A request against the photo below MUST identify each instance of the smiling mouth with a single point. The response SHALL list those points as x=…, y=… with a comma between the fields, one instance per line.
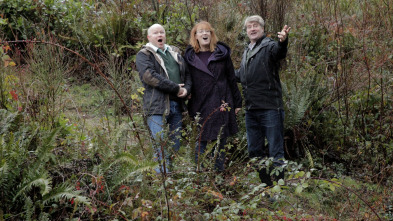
x=205, y=39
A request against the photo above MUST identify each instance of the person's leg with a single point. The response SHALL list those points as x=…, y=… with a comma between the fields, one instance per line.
x=174, y=120
x=255, y=135
x=275, y=134
x=156, y=126
x=275, y=137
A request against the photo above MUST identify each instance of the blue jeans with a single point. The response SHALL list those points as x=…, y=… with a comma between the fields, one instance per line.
x=156, y=125
x=220, y=160
x=269, y=124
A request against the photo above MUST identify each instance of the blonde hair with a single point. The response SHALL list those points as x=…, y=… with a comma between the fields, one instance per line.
x=206, y=26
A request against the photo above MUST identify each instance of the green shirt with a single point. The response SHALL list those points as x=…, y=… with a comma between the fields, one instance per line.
x=172, y=67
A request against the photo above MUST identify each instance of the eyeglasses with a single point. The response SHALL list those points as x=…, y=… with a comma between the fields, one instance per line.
x=201, y=31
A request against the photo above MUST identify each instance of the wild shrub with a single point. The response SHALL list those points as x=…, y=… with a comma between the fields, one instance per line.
x=44, y=82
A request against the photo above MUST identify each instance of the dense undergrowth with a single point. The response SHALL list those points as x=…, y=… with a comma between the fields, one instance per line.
x=73, y=140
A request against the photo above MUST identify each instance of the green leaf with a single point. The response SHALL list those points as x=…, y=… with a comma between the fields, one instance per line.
x=245, y=197
x=299, y=189
x=300, y=174
x=332, y=187
x=276, y=189
x=3, y=21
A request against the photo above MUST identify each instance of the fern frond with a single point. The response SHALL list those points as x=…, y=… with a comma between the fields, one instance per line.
x=301, y=94
x=132, y=173
x=124, y=158
x=27, y=135
x=47, y=143
x=9, y=121
x=29, y=208
x=44, y=217
x=4, y=169
x=64, y=192
x=41, y=180
x=120, y=136
x=309, y=157
x=300, y=103
x=146, y=165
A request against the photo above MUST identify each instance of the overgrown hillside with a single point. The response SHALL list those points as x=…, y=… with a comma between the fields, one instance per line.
x=74, y=144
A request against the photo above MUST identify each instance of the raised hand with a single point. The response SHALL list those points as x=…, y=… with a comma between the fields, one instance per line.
x=283, y=34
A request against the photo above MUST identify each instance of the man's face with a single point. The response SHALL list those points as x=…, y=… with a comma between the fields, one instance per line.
x=254, y=31
x=156, y=36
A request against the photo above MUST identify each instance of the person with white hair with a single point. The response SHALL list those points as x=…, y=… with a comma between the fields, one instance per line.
x=167, y=83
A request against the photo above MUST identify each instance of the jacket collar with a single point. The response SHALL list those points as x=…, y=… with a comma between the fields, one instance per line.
x=155, y=49
x=262, y=42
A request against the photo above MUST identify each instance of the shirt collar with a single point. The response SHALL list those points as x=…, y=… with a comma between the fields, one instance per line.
x=251, y=46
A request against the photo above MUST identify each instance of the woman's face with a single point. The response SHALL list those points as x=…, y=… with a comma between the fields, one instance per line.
x=203, y=35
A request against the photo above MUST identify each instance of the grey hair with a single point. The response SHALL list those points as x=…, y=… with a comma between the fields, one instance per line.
x=154, y=26
x=254, y=18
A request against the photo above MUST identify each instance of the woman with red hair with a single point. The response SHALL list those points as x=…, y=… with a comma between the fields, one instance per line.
x=214, y=83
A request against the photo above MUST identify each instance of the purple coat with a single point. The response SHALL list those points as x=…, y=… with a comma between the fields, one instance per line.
x=210, y=86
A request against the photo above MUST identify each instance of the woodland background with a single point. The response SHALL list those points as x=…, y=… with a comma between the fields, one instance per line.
x=74, y=145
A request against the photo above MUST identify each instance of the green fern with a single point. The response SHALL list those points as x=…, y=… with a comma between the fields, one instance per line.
x=125, y=167
x=29, y=209
x=130, y=175
x=4, y=167
x=124, y=157
x=44, y=217
x=9, y=121
x=298, y=101
x=64, y=192
x=40, y=180
x=300, y=94
x=44, y=150
x=120, y=138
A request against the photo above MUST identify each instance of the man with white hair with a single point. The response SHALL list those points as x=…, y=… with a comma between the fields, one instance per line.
x=167, y=83
x=259, y=76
